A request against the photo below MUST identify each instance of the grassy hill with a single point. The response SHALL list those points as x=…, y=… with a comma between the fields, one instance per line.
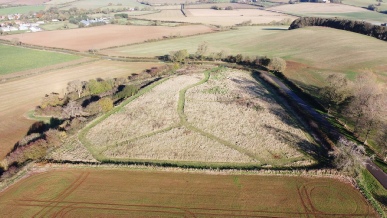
x=313, y=52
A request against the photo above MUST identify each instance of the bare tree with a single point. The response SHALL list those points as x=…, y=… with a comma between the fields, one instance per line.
x=336, y=91
x=349, y=157
x=75, y=86
x=72, y=110
x=365, y=87
x=202, y=50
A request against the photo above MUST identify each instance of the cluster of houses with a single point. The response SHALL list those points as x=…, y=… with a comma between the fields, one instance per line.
x=96, y=20
x=18, y=25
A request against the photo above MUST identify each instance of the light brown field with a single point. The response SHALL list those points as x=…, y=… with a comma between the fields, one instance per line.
x=105, y=36
x=136, y=193
x=232, y=106
x=154, y=111
x=316, y=8
x=219, y=17
x=22, y=95
x=23, y=2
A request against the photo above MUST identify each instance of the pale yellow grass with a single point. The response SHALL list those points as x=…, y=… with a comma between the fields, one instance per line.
x=19, y=96
x=219, y=17
x=71, y=150
x=178, y=144
x=263, y=128
x=316, y=8
x=156, y=110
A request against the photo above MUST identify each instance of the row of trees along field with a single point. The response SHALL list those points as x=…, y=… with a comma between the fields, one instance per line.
x=362, y=104
x=83, y=101
x=365, y=28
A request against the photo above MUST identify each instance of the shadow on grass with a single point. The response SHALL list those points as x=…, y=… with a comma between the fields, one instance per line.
x=300, y=144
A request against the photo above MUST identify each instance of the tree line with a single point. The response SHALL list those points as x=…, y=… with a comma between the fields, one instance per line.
x=362, y=103
x=365, y=28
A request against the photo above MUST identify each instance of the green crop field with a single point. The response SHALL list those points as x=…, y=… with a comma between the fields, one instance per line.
x=14, y=59
x=21, y=9
x=313, y=51
x=123, y=193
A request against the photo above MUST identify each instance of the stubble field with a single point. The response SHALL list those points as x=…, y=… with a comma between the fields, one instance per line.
x=81, y=192
x=105, y=36
x=22, y=95
x=218, y=17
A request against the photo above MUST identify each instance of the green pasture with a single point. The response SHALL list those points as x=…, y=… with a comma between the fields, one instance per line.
x=14, y=59
x=21, y=9
x=322, y=50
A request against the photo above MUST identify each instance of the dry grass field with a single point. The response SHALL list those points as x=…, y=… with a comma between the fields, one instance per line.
x=331, y=10
x=218, y=17
x=135, y=193
x=178, y=144
x=99, y=37
x=22, y=95
x=229, y=119
x=154, y=111
x=234, y=107
x=71, y=150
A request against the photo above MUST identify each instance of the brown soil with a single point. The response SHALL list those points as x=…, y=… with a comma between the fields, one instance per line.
x=106, y=36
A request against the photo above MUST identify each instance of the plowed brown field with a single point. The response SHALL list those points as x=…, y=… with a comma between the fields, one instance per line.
x=106, y=36
x=129, y=193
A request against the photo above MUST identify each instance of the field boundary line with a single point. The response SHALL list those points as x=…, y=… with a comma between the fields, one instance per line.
x=144, y=136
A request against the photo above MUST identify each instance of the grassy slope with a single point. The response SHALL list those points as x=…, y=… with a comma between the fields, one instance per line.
x=319, y=50
x=14, y=59
x=365, y=3
x=21, y=9
x=332, y=10
x=123, y=193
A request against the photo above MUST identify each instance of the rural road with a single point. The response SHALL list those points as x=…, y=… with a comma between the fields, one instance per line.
x=370, y=166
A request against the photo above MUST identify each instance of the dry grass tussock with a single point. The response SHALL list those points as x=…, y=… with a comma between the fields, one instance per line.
x=233, y=106
x=71, y=150
x=178, y=144
x=155, y=110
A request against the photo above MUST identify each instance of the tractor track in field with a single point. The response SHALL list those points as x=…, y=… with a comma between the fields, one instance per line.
x=64, y=194
x=68, y=206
